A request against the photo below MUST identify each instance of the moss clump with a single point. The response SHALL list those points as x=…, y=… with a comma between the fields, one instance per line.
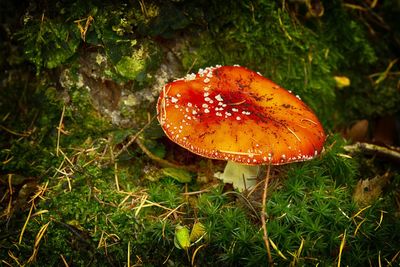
x=48, y=43
x=137, y=65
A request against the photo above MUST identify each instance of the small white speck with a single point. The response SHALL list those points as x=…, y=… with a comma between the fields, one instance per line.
x=238, y=118
x=228, y=114
x=265, y=158
x=206, y=80
x=235, y=110
x=283, y=156
x=174, y=100
x=236, y=65
x=207, y=99
x=298, y=97
x=178, y=95
x=194, y=112
x=219, y=114
x=219, y=98
x=204, y=106
x=176, y=106
x=190, y=77
x=206, y=110
x=206, y=94
x=189, y=104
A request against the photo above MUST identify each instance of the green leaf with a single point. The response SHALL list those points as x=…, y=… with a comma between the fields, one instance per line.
x=180, y=175
x=181, y=239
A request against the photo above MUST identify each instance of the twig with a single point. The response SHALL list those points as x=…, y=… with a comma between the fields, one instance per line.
x=161, y=161
x=133, y=138
x=391, y=153
x=264, y=215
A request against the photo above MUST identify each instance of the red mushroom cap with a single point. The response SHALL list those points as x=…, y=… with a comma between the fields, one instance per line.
x=232, y=113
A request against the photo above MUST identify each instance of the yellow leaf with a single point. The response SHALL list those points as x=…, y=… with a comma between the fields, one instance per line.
x=198, y=232
x=342, y=81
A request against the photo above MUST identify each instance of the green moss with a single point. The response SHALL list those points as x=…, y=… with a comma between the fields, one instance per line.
x=137, y=65
x=49, y=43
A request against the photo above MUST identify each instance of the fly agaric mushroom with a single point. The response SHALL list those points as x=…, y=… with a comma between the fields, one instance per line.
x=232, y=113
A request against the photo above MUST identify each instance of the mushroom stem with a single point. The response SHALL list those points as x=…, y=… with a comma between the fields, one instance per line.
x=241, y=176
x=264, y=215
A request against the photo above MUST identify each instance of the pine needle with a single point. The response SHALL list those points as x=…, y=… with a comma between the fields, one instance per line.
x=129, y=254
x=275, y=247
x=341, y=248
x=64, y=261
x=26, y=223
x=195, y=253
x=38, y=238
x=59, y=130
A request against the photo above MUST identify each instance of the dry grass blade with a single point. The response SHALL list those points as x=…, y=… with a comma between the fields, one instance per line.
x=38, y=238
x=129, y=254
x=26, y=223
x=134, y=137
x=275, y=247
x=12, y=256
x=195, y=253
x=296, y=255
x=116, y=176
x=172, y=211
x=264, y=215
x=341, y=248
x=64, y=261
x=358, y=227
x=60, y=124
